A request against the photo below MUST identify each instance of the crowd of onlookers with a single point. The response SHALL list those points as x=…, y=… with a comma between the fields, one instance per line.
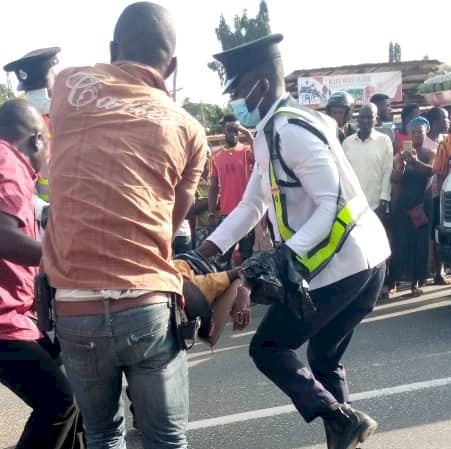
x=401, y=170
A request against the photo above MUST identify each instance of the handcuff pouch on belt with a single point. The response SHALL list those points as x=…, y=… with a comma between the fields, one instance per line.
x=44, y=297
x=185, y=329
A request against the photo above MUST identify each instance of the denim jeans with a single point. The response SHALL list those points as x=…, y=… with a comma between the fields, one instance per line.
x=140, y=343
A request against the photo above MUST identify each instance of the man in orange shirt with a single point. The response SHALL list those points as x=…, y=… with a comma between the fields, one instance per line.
x=125, y=164
x=230, y=169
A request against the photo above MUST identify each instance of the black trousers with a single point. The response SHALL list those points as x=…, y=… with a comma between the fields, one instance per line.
x=31, y=370
x=340, y=308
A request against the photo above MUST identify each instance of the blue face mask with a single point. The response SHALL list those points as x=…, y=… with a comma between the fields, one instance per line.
x=249, y=119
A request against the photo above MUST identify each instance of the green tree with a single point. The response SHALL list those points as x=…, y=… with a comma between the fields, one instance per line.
x=209, y=115
x=245, y=29
x=390, y=53
x=5, y=93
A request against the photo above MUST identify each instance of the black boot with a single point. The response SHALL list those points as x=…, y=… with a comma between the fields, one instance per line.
x=346, y=428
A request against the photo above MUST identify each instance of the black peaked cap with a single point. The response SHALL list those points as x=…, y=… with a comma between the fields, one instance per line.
x=34, y=66
x=243, y=58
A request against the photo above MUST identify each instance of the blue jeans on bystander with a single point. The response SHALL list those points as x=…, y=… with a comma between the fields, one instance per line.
x=140, y=343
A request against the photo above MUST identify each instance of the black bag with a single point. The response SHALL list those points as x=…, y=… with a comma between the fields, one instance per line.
x=274, y=278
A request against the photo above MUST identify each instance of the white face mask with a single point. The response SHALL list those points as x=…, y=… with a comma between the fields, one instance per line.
x=40, y=99
x=250, y=119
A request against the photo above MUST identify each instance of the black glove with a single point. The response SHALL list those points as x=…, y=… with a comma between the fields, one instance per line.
x=261, y=274
x=276, y=276
x=292, y=275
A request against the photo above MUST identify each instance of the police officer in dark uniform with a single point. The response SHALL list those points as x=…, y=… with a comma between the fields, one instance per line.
x=325, y=228
x=36, y=75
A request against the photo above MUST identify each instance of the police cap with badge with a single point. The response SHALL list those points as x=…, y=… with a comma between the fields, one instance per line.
x=241, y=59
x=33, y=67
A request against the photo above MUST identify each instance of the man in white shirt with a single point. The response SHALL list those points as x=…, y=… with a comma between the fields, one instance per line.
x=300, y=177
x=370, y=154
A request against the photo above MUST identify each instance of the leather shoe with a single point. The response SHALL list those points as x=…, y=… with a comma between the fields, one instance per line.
x=346, y=427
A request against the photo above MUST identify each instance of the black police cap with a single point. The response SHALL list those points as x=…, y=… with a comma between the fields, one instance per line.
x=34, y=66
x=243, y=58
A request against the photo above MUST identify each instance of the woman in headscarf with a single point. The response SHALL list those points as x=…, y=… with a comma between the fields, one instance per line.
x=412, y=216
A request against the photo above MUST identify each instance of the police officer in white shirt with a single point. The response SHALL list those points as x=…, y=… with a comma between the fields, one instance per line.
x=321, y=217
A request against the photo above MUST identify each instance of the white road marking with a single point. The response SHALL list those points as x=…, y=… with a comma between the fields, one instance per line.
x=242, y=334
x=214, y=351
x=193, y=363
x=286, y=409
x=407, y=310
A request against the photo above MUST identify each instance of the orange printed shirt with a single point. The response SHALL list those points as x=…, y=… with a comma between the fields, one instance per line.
x=120, y=149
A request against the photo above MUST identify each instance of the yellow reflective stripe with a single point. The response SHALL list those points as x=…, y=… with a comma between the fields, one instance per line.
x=284, y=231
x=352, y=209
x=345, y=217
x=326, y=252
x=43, y=181
x=287, y=110
x=44, y=196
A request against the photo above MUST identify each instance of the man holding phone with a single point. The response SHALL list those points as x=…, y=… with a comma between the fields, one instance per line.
x=230, y=169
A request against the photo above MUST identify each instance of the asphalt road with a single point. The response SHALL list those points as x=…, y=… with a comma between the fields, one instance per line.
x=398, y=364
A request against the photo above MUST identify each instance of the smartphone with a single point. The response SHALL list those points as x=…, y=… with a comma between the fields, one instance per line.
x=407, y=146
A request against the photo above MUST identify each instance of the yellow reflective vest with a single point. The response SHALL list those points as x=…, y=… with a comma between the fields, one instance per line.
x=351, y=201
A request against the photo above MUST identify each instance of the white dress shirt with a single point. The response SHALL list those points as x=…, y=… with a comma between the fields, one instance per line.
x=311, y=208
x=372, y=161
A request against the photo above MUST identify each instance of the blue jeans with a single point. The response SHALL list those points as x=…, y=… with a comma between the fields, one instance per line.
x=140, y=343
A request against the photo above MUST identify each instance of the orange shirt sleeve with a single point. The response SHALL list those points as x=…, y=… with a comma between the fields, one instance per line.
x=211, y=285
x=196, y=161
x=440, y=166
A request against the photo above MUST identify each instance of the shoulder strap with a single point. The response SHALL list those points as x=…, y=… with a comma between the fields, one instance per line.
x=308, y=127
x=273, y=139
x=286, y=169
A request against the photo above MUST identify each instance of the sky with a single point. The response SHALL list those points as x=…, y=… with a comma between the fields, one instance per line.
x=317, y=34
